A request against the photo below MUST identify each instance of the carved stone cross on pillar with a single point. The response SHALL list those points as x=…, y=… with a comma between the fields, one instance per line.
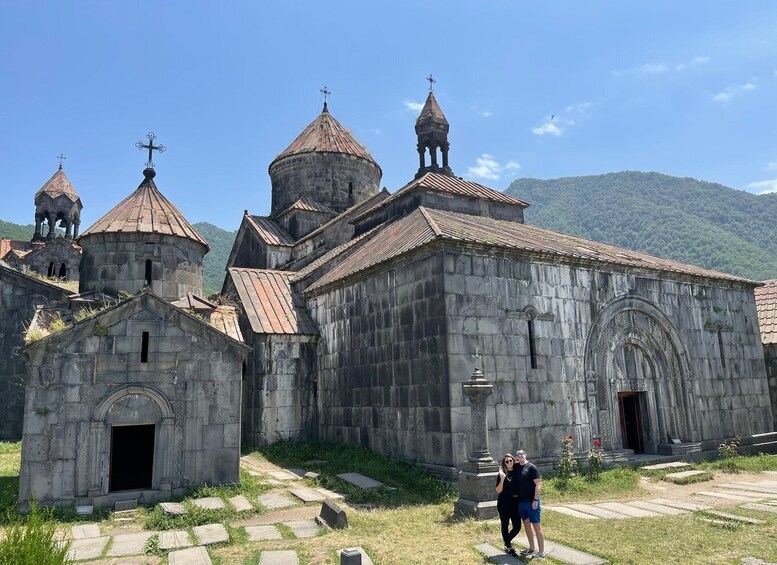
x=477, y=479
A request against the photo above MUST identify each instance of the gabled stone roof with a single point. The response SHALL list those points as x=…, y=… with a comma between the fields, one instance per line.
x=431, y=112
x=307, y=204
x=269, y=231
x=766, y=304
x=269, y=302
x=325, y=135
x=58, y=185
x=146, y=211
x=426, y=225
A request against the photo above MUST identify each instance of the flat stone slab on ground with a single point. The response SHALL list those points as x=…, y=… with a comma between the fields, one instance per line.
x=88, y=548
x=734, y=517
x=84, y=510
x=296, y=471
x=627, y=509
x=303, y=528
x=715, y=522
x=174, y=540
x=85, y=531
x=240, y=503
x=752, y=487
x=571, y=512
x=274, y=482
x=762, y=507
x=674, y=477
x=690, y=506
x=657, y=508
x=330, y=493
x=284, y=557
x=209, y=503
x=173, y=508
x=316, y=461
x=211, y=533
x=365, y=558
x=307, y=494
x=595, y=511
x=283, y=475
x=735, y=496
x=556, y=550
x=359, y=480
x=273, y=501
x=260, y=533
x=129, y=544
x=672, y=465
x=191, y=556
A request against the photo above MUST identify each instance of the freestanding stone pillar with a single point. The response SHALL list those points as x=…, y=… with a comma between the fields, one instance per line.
x=477, y=480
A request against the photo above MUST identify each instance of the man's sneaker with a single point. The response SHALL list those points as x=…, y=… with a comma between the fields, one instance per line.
x=539, y=555
x=511, y=551
x=527, y=551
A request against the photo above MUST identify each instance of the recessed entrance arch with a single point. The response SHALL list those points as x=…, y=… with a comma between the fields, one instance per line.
x=638, y=379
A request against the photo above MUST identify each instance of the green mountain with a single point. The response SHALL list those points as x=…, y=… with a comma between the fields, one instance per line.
x=685, y=219
x=213, y=266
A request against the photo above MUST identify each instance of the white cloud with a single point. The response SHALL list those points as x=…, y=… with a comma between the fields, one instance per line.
x=489, y=168
x=485, y=113
x=692, y=63
x=772, y=166
x=661, y=68
x=763, y=187
x=413, y=106
x=730, y=91
x=549, y=128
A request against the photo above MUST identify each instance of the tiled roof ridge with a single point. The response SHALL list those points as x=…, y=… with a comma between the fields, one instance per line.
x=325, y=135
x=59, y=184
x=432, y=223
x=305, y=202
x=281, y=236
x=145, y=200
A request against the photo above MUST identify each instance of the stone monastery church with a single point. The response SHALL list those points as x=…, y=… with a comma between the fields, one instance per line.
x=352, y=314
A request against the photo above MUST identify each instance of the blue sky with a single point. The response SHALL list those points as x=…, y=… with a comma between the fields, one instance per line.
x=683, y=88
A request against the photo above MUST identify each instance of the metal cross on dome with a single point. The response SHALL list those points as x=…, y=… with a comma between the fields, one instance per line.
x=151, y=147
x=61, y=158
x=431, y=80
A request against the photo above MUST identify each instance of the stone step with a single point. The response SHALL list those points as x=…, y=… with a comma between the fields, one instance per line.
x=682, y=475
x=330, y=493
x=737, y=497
x=240, y=503
x=555, y=550
x=192, y=556
x=129, y=544
x=274, y=501
x=672, y=465
x=657, y=508
x=87, y=548
x=173, y=508
x=714, y=522
x=762, y=507
x=359, y=480
x=85, y=531
x=571, y=512
x=594, y=511
x=303, y=528
x=261, y=533
x=690, y=506
x=307, y=494
x=175, y=539
x=734, y=517
x=628, y=510
x=210, y=534
x=209, y=503
x=752, y=487
x=283, y=476
x=279, y=557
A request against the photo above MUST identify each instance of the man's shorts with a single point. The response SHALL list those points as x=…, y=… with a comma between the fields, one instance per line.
x=528, y=513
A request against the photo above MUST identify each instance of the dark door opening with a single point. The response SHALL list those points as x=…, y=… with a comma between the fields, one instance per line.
x=132, y=457
x=631, y=421
x=62, y=271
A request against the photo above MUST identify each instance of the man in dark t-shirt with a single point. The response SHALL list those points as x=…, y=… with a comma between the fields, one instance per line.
x=528, y=486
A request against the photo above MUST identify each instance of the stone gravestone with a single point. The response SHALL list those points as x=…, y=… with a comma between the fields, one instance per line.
x=477, y=496
x=333, y=515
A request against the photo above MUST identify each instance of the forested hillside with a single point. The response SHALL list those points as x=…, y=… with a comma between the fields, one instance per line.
x=213, y=266
x=696, y=222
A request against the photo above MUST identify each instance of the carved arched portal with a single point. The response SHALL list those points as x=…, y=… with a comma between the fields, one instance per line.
x=637, y=375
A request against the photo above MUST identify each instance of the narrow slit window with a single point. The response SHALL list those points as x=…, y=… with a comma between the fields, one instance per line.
x=350, y=190
x=148, y=272
x=720, y=347
x=144, y=348
x=51, y=269
x=532, y=351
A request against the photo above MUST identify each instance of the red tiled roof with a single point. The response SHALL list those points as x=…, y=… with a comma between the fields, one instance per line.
x=431, y=112
x=146, y=211
x=224, y=319
x=270, y=303
x=309, y=205
x=448, y=185
x=58, y=185
x=325, y=135
x=7, y=245
x=766, y=304
x=269, y=231
x=425, y=225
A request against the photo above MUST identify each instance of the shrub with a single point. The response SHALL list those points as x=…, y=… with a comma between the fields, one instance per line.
x=567, y=464
x=730, y=449
x=31, y=539
x=595, y=460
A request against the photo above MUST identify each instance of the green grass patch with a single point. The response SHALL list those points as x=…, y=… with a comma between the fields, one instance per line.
x=10, y=461
x=614, y=483
x=412, y=483
x=31, y=539
x=704, y=476
x=741, y=464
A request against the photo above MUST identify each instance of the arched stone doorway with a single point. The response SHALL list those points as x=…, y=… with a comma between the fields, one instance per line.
x=139, y=419
x=638, y=379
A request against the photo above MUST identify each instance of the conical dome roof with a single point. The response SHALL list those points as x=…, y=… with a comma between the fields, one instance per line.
x=325, y=135
x=58, y=185
x=431, y=113
x=146, y=211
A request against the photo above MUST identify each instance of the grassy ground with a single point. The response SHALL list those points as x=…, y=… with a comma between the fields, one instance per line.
x=415, y=523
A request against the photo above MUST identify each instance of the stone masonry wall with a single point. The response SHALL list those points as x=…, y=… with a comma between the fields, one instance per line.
x=279, y=393
x=324, y=177
x=117, y=262
x=487, y=297
x=18, y=297
x=66, y=447
x=770, y=354
x=383, y=375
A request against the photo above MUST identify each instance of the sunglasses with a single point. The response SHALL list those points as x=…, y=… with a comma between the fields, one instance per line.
x=509, y=460
x=520, y=454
